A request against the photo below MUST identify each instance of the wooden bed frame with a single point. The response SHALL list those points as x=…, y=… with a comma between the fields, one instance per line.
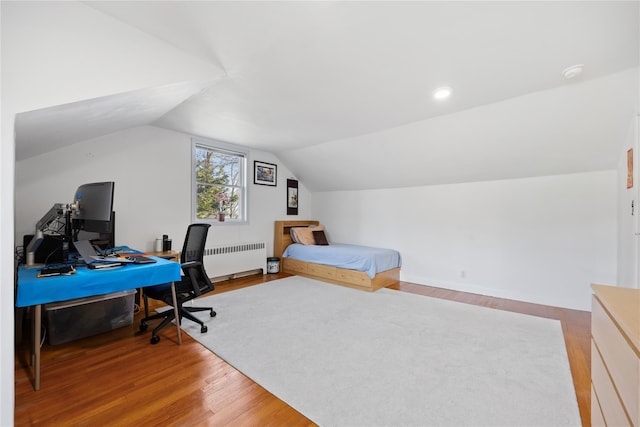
x=339, y=276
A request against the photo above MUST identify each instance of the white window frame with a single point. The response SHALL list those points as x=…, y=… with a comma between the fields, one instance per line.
x=226, y=148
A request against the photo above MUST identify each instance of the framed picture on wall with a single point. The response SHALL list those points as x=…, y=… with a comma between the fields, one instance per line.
x=292, y=197
x=265, y=173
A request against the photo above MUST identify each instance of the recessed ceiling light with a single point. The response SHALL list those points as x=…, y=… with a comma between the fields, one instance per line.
x=442, y=92
x=573, y=71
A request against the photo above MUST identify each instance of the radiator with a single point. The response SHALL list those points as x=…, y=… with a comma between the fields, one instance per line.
x=235, y=259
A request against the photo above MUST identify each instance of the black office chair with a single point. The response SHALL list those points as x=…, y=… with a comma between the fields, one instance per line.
x=194, y=283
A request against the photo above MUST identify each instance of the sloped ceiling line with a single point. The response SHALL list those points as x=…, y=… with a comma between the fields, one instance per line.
x=333, y=85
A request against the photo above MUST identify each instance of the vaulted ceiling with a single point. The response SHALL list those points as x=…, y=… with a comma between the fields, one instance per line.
x=341, y=91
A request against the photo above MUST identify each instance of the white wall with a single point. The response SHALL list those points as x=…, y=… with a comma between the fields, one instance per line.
x=152, y=171
x=7, y=328
x=628, y=218
x=542, y=240
x=628, y=212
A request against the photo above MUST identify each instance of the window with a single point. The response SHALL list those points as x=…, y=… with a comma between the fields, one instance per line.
x=219, y=182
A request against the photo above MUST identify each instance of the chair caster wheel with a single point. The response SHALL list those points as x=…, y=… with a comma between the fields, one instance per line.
x=203, y=329
x=143, y=327
x=212, y=313
x=155, y=339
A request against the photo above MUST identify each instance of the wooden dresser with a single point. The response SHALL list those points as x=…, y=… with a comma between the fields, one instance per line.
x=615, y=356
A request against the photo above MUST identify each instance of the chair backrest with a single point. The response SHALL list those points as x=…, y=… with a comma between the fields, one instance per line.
x=196, y=281
x=194, y=242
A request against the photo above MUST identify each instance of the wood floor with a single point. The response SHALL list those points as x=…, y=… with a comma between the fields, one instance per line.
x=119, y=379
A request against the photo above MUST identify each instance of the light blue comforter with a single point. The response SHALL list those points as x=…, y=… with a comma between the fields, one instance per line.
x=353, y=257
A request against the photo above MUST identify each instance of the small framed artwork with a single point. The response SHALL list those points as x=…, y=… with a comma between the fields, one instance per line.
x=265, y=173
x=292, y=197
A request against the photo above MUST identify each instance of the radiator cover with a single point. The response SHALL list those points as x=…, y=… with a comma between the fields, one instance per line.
x=235, y=259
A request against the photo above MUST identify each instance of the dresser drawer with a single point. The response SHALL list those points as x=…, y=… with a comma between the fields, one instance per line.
x=620, y=360
x=607, y=405
x=597, y=419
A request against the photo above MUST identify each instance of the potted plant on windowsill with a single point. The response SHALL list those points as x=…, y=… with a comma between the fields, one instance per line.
x=222, y=199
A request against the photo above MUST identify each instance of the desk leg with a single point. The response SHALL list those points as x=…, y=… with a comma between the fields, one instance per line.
x=175, y=311
x=37, y=324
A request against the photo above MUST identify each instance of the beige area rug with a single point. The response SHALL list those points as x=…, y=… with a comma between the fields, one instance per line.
x=344, y=357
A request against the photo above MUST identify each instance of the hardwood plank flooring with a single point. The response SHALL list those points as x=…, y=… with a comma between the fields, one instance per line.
x=118, y=378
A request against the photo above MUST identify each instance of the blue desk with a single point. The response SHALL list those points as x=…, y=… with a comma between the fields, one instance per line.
x=34, y=291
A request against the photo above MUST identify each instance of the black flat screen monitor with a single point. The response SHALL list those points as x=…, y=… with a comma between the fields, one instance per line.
x=93, y=207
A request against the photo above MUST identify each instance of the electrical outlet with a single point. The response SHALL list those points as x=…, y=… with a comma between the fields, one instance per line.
x=463, y=274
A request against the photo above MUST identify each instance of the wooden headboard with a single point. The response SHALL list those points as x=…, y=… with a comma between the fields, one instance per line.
x=282, y=236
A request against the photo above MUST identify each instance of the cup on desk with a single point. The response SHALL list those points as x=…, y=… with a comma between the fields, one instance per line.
x=159, y=245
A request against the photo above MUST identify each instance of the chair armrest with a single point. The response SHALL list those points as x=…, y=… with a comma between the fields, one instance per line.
x=190, y=264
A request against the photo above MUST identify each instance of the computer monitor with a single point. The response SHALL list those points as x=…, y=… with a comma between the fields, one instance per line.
x=92, y=216
x=92, y=208
x=91, y=211
x=100, y=233
x=93, y=202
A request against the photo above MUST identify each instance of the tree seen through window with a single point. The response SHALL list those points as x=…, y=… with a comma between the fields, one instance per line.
x=219, y=183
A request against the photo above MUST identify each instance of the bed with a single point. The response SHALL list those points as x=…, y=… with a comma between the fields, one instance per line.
x=327, y=273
